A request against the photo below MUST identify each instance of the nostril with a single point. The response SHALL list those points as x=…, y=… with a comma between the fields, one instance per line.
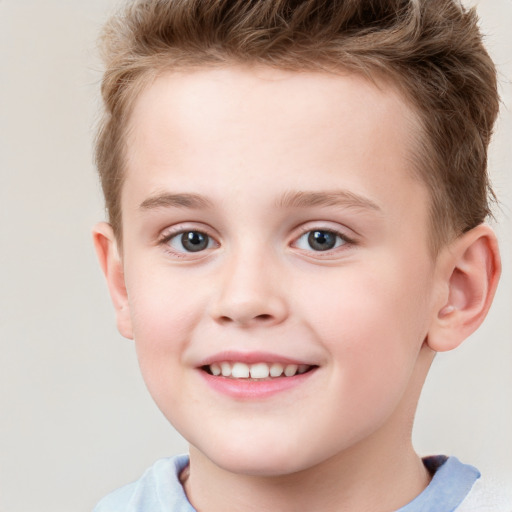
x=264, y=317
x=258, y=318
x=248, y=311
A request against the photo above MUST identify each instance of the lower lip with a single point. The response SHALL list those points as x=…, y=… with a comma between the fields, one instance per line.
x=254, y=389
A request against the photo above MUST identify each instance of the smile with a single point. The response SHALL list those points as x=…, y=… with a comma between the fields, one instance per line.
x=256, y=371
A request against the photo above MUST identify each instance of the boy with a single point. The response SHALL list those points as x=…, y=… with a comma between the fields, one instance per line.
x=296, y=194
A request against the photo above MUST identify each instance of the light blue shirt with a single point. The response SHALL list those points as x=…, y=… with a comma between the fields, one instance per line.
x=159, y=488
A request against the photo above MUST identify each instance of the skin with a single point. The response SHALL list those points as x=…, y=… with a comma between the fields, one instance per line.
x=368, y=313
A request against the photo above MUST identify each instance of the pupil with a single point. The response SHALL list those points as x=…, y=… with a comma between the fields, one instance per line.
x=321, y=240
x=194, y=241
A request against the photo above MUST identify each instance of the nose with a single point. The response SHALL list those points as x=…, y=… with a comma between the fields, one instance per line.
x=250, y=293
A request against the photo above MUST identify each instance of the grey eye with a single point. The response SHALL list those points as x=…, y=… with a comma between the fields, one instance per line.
x=194, y=241
x=320, y=240
x=190, y=241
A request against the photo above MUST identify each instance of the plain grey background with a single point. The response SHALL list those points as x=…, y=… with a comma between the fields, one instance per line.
x=76, y=420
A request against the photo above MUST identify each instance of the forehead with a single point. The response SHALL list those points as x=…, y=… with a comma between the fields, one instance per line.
x=191, y=105
x=249, y=131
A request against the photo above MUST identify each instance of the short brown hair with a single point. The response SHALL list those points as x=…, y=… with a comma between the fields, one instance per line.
x=430, y=49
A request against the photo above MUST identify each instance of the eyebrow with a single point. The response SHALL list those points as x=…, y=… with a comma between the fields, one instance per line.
x=290, y=199
x=167, y=200
x=337, y=198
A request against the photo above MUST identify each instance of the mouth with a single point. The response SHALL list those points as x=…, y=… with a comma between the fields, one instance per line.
x=262, y=371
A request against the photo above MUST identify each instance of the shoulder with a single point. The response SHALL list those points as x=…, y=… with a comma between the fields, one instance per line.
x=458, y=487
x=487, y=496
x=157, y=490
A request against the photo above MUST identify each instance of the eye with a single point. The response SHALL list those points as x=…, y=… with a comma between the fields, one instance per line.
x=190, y=241
x=320, y=240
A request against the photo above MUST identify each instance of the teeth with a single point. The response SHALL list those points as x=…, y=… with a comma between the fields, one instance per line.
x=259, y=371
x=240, y=371
x=256, y=371
x=225, y=369
x=303, y=368
x=290, y=370
x=215, y=369
x=276, y=370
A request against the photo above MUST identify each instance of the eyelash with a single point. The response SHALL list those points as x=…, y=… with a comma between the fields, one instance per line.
x=345, y=240
x=180, y=231
x=342, y=240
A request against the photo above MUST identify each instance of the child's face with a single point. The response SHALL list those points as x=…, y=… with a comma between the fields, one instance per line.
x=274, y=217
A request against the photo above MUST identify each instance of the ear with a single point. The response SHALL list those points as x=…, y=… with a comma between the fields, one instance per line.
x=469, y=270
x=111, y=263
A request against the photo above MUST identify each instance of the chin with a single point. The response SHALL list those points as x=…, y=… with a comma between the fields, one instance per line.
x=262, y=466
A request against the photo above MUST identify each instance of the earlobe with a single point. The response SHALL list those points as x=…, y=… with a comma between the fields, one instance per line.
x=470, y=270
x=111, y=263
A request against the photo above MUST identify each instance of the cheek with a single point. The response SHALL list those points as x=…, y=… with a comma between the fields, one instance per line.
x=161, y=334
x=163, y=303
x=163, y=311
x=373, y=333
x=372, y=322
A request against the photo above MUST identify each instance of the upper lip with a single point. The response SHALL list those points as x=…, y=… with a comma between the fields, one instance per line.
x=251, y=358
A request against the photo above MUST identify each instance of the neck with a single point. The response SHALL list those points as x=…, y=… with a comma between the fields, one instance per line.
x=334, y=485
